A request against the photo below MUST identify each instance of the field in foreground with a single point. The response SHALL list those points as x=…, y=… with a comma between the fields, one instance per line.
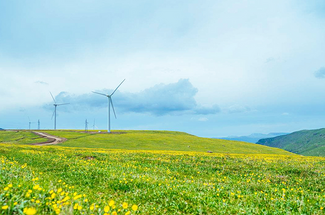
x=69, y=180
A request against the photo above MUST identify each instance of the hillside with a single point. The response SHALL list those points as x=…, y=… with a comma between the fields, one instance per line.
x=305, y=142
x=253, y=138
x=80, y=180
x=160, y=140
x=19, y=137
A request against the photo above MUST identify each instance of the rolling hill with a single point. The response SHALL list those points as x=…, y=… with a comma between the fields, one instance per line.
x=305, y=142
x=160, y=140
x=19, y=137
x=171, y=174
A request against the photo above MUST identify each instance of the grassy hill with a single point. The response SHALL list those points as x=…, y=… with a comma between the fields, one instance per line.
x=19, y=137
x=160, y=140
x=305, y=142
x=165, y=177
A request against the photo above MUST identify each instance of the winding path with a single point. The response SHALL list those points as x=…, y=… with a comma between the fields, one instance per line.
x=51, y=140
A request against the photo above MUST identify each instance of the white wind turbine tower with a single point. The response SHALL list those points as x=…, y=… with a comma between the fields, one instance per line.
x=29, y=123
x=54, y=113
x=110, y=101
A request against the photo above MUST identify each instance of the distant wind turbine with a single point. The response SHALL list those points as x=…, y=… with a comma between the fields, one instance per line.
x=29, y=123
x=110, y=101
x=94, y=125
x=54, y=113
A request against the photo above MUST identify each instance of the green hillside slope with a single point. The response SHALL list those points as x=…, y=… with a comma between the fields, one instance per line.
x=160, y=140
x=20, y=137
x=306, y=142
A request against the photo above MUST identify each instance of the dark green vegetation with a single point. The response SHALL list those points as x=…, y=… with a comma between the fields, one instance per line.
x=306, y=142
x=20, y=137
x=69, y=180
x=160, y=140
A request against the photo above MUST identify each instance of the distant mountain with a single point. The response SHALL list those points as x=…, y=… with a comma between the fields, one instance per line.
x=253, y=138
x=305, y=142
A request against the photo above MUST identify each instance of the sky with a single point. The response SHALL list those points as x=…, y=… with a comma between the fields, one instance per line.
x=210, y=68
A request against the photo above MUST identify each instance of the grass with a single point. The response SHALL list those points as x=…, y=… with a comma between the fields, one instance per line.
x=129, y=177
x=20, y=137
x=70, y=180
x=306, y=142
x=160, y=140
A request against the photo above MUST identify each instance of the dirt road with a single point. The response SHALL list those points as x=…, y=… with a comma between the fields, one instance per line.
x=51, y=140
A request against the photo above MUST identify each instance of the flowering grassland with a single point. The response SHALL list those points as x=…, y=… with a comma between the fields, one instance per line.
x=160, y=140
x=20, y=137
x=66, y=180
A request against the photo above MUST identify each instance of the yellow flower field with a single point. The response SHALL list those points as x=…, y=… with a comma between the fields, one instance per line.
x=62, y=180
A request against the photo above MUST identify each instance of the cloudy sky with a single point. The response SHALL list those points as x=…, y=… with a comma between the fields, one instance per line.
x=210, y=68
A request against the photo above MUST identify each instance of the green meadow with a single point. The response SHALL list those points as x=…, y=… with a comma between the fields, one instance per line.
x=20, y=137
x=160, y=140
x=76, y=177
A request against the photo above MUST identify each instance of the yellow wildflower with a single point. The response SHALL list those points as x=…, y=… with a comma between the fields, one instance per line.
x=106, y=209
x=77, y=197
x=111, y=203
x=125, y=205
x=5, y=207
x=57, y=211
x=53, y=195
x=36, y=187
x=29, y=211
x=134, y=207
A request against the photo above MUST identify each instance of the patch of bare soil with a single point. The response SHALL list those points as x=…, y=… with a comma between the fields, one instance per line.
x=51, y=140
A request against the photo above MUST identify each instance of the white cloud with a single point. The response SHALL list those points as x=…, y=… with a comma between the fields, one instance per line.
x=203, y=119
x=161, y=99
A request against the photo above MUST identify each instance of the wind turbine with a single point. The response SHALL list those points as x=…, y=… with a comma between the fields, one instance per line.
x=54, y=113
x=86, y=125
x=110, y=101
x=29, y=123
x=94, y=125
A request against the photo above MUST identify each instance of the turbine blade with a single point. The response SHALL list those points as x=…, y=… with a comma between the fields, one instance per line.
x=53, y=97
x=62, y=104
x=117, y=87
x=113, y=107
x=100, y=93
